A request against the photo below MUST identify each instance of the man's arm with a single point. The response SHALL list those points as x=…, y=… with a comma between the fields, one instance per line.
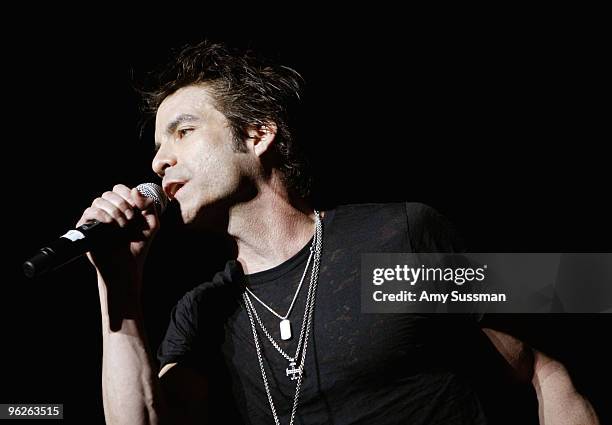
x=130, y=388
x=131, y=391
x=558, y=401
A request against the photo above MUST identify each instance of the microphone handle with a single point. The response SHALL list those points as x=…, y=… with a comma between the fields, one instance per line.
x=66, y=249
x=82, y=239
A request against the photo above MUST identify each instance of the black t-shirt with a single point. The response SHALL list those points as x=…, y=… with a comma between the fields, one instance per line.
x=360, y=368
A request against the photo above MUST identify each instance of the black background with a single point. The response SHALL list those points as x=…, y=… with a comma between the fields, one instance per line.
x=500, y=126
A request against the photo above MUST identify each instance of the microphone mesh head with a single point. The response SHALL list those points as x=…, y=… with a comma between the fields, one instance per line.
x=155, y=192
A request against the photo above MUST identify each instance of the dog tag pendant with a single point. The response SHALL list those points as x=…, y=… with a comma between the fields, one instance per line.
x=285, y=329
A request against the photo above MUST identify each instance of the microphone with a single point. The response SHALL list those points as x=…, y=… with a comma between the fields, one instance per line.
x=77, y=242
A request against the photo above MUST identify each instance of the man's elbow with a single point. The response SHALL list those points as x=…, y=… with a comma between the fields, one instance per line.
x=518, y=356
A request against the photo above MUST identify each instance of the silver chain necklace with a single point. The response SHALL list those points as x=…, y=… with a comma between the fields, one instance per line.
x=285, y=323
x=291, y=370
x=306, y=326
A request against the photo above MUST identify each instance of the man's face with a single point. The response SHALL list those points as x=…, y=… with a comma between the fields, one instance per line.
x=196, y=157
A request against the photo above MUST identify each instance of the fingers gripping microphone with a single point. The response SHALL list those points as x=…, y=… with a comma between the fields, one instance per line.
x=82, y=239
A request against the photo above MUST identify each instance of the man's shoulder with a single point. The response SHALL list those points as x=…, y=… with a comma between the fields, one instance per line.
x=415, y=212
x=427, y=229
x=223, y=286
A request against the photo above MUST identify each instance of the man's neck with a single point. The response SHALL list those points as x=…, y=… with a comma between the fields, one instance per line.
x=269, y=229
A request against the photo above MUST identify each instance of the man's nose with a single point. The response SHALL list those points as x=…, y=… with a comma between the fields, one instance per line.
x=162, y=160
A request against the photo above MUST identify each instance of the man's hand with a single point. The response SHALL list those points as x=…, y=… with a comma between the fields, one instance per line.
x=128, y=209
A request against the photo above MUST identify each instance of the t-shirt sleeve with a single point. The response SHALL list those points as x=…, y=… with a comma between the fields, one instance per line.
x=195, y=332
x=431, y=232
x=178, y=345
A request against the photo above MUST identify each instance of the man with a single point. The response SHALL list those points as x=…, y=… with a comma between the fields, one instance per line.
x=279, y=332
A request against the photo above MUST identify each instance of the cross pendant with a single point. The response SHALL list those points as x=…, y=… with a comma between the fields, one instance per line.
x=293, y=371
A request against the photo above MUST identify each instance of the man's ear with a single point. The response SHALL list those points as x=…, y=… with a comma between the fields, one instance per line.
x=261, y=138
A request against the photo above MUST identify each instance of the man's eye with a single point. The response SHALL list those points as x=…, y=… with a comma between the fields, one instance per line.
x=183, y=132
